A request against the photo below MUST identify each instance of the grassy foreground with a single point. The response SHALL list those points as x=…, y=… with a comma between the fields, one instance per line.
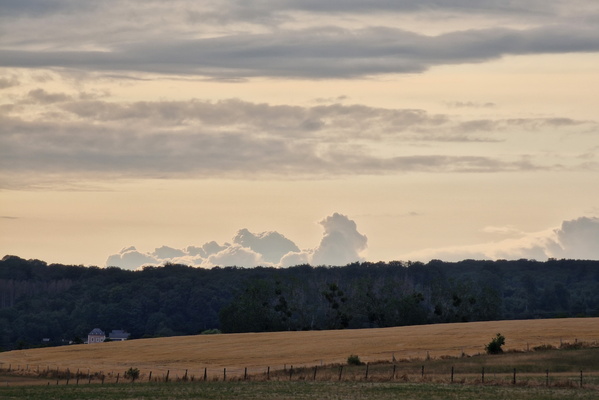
x=293, y=390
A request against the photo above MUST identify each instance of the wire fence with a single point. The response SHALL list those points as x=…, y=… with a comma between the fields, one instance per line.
x=441, y=370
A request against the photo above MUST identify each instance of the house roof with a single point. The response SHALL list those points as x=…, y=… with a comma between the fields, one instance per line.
x=119, y=334
x=97, y=331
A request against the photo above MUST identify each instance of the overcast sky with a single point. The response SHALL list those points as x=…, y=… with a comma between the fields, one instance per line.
x=284, y=132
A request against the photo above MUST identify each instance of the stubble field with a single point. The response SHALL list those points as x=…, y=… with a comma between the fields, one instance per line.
x=255, y=352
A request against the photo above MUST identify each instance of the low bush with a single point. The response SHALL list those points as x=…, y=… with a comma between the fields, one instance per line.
x=354, y=360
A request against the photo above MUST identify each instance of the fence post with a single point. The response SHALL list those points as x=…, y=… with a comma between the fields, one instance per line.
x=340, y=371
x=268, y=373
x=367, y=365
x=117, y=377
x=150, y=377
x=394, y=368
x=315, y=369
x=483, y=376
x=245, y=373
x=168, y=371
x=185, y=376
x=514, y=380
x=452, y=374
x=224, y=374
x=290, y=372
x=422, y=372
x=205, y=374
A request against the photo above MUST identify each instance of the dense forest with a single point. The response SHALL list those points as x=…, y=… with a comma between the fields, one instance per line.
x=43, y=304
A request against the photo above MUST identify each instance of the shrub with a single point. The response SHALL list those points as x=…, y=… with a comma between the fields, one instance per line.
x=132, y=373
x=494, y=346
x=354, y=360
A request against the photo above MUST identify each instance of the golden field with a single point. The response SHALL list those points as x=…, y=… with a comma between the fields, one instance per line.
x=257, y=351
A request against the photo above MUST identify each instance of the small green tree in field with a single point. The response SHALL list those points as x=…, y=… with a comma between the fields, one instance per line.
x=132, y=373
x=494, y=346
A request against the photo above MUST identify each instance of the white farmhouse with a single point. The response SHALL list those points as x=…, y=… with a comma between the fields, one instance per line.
x=97, y=335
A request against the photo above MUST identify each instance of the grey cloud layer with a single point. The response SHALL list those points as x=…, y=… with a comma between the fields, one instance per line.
x=246, y=10
x=313, y=53
x=235, y=138
x=238, y=39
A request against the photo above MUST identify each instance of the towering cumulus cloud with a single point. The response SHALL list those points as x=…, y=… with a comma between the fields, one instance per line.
x=341, y=244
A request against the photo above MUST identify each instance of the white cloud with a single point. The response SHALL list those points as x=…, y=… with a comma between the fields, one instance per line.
x=341, y=244
x=270, y=245
x=234, y=255
x=576, y=239
x=130, y=258
x=166, y=252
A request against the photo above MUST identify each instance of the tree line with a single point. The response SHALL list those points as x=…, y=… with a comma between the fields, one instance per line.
x=63, y=303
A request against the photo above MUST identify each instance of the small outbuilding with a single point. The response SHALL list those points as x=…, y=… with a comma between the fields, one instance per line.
x=118, y=335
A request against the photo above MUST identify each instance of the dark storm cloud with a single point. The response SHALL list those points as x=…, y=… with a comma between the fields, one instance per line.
x=313, y=53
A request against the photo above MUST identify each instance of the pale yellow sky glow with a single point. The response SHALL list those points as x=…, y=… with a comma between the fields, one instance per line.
x=463, y=130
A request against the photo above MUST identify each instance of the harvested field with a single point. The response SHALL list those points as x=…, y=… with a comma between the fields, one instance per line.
x=257, y=351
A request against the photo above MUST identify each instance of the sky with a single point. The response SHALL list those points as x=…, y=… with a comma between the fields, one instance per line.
x=287, y=132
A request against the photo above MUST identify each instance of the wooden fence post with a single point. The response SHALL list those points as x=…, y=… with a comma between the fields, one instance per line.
x=482, y=378
x=340, y=371
x=268, y=374
x=290, y=372
x=394, y=369
x=117, y=377
x=245, y=373
x=205, y=374
x=367, y=365
x=168, y=371
x=224, y=374
x=185, y=376
x=514, y=380
x=316, y=368
x=150, y=378
x=451, y=374
x=422, y=372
